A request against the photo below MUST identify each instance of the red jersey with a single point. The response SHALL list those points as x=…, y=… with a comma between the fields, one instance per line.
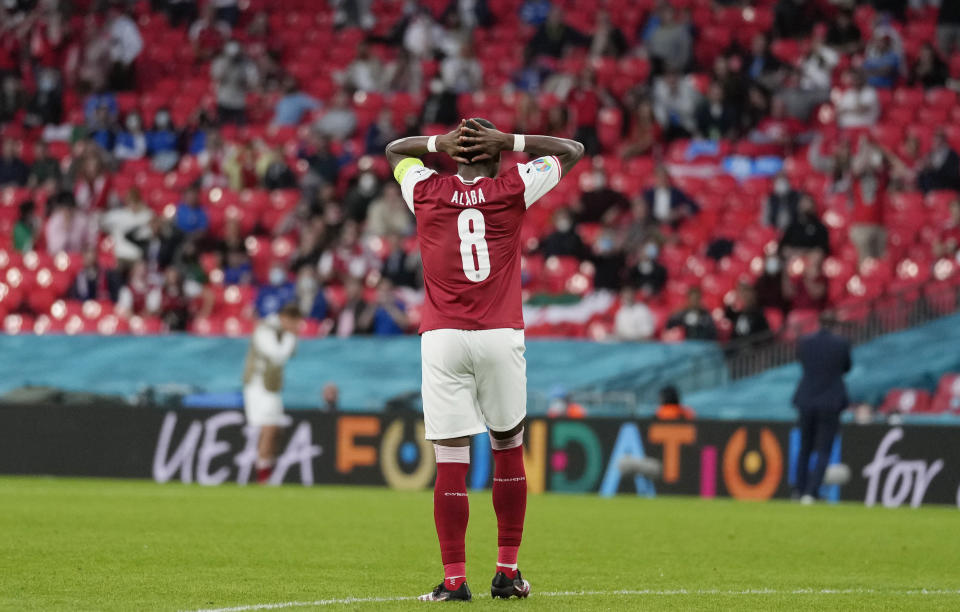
x=469, y=233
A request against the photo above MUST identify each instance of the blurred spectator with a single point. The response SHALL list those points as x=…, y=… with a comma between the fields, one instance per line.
x=93, y=56
x=273, y=170
x=403, y=74
x=103, y=129
x=45, y=170
x=609, y=262
x=13, y=172
x=948, y=28
x=137, y=297
x=462, y=73
x=237, y=269
x=780, y=207
x=838, y=165
x=293, y=105
x=208, y=34
x=240, y=166
x=647, y=274
x=793, y=18
x=644, y=135
x=321, y=160
x=100, y=101
x=361, y=192
x=350, y=317
x=868, y=199
x=126, y=44
x=806, y=232
x=162, y=142
x=761, y=66
x=769, y=285
x=386, y=316
x=947, y=243
x=929, y=70
x=670, y=407
x=174, y=306
x=535, y=12
x=131, y=142
x=339, y=121
x=134, y=217
x=816, y=74
x=399, y=267
x=668, y=40
x=858, y=106
x=695, y=320
x=191, y=218
x=585, y=100
x=745, y=314
x=180, y=12
x=777, y=131
x=642, y=228
x=942, y=167
x=808, y=291
x=675, y=100
x=235, y=76
x=598, y=200
x=715, y=119
x=331, y=398
x=666, y=203
x=348, y=257
x=634, y=321
x=388, y=213
x=13, y=98
x=68, y=228
x=554, y=36
x=607, y=40
x=843, y=35
x=472, y=13
x=46, y=105
x=228, y=11
x=356, y=13
x=421, y=34
x=26, y=228
x=381, y=132
x=158, y=246
x=882, y=63
x=310, y=297
x=91, y=282
x=365, y=72
x=564, y=241
x=278, y=291
x=309, y=247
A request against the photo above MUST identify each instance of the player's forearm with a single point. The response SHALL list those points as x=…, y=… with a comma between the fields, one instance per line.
x=416, y=146
x=569, y=152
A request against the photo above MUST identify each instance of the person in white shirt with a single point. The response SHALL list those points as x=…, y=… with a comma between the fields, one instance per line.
x=133, y=220
x=126, y=44
x=633, y=321
x=272, y=345
x=858, y=105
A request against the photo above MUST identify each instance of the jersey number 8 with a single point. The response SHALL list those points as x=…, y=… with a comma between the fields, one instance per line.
x=471, y=227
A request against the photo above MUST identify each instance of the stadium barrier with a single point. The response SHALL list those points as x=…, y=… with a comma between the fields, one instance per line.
x=890, y=466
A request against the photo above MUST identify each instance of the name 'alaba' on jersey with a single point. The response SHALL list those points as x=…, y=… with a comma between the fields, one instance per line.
x=469, y=234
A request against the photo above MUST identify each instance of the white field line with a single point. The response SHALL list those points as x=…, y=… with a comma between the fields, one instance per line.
x=624, y=592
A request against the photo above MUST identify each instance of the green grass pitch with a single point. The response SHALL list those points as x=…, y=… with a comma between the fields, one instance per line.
x=122, y=545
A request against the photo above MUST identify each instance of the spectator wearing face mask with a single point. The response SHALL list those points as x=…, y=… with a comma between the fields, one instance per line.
x=310, y=297
x=235, y=76
x=608, y=260
x=780, y=207
x=360, y=194
x=162, y=142
x=237, y=269
x=276, y=293
x=131, y=142
x=769, y=286
x=648, y=274
x=126, y=44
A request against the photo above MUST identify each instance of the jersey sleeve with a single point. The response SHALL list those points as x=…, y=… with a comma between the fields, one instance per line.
x=408, y=173
x=539, y=176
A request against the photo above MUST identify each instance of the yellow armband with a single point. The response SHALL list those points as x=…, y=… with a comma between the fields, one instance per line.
x=404, y=166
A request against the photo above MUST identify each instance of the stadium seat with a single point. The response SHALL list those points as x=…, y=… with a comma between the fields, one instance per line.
x=903, y=401
x=947, y=396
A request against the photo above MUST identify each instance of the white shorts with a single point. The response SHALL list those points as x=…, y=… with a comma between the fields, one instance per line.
x=472, y=380
x=262, y=407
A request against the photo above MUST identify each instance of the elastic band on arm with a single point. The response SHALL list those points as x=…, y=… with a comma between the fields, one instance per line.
x=401, y=170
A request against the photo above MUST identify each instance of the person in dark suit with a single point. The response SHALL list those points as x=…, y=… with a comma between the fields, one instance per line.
x=666, y=203
x=820, y=398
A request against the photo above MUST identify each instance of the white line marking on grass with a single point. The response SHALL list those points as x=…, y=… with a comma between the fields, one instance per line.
x=638, y=592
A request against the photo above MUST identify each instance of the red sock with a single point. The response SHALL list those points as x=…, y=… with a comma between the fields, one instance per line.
x=510, y=504
x=450, y=513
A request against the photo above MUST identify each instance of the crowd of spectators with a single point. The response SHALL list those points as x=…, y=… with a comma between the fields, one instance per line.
x=65, y=68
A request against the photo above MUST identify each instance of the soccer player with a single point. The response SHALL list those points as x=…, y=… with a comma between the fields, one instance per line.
x=472, y=344
x=273, y=343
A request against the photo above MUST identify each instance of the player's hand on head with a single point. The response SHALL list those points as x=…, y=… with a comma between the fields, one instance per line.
x=481, y=142
x=449, y=143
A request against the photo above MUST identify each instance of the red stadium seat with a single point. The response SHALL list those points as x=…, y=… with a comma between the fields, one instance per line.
x=904, y=401
x=947, y=397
